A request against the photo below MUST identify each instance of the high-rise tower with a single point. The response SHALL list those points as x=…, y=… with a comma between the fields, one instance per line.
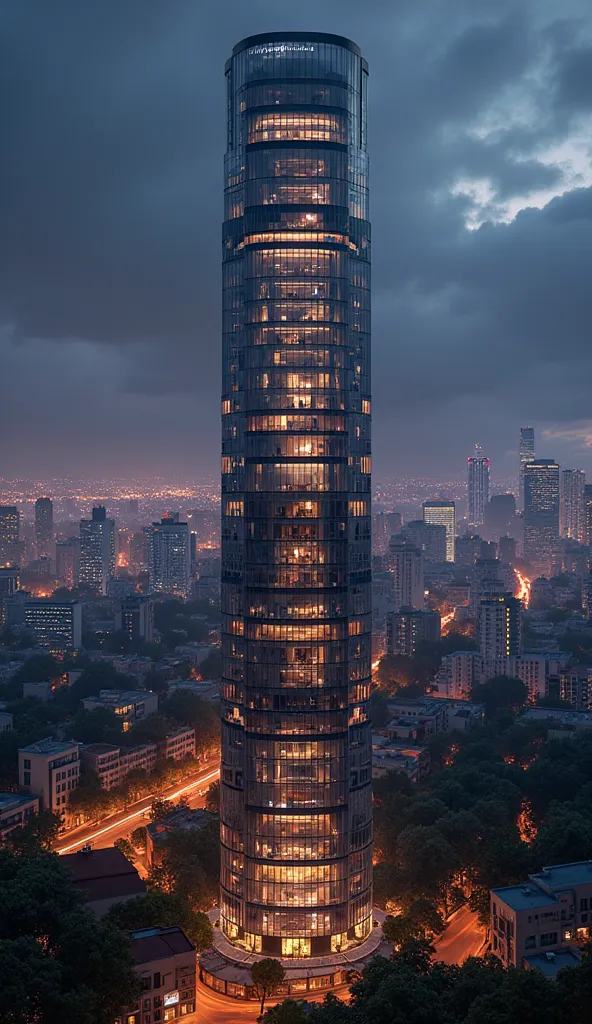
x=478, y=486
x=44, y=527
x=296, y=809
x=541, y=514
x=526, y=455
x=573, y=509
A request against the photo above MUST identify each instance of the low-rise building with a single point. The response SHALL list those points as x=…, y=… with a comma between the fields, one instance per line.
x=413, y=760
x=207, y=689
x=562, y=723
x=179, y=745
x=129, y=705
x=15, y=811
x=50, y=769
x=112, y=763
x=165, y=963
x=105, y=876
x=429, y=715
x=551, y=911
x=41, y=691
x=158, y=832
x=549, y=964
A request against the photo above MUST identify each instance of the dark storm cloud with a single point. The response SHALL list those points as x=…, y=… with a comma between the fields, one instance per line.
x=112, y=120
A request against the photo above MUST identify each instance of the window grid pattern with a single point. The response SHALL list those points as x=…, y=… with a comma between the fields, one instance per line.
x=296, y=810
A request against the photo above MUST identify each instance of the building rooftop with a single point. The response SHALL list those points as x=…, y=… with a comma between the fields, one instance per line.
x=550, y=964
x=115, y=698
x=14, y=800
x=100, y=748
x=104, y=874
x=564, y=876
x=49, y=747
x=183, y=819
x=523, y=897
x=159, y=943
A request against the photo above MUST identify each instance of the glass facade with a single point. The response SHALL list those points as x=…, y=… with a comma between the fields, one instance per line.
x=296, y=806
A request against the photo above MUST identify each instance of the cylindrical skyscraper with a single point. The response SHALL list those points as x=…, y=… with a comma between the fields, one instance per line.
x=296, y=811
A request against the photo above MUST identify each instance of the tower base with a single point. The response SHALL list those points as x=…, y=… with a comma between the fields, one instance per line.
x=227, y=969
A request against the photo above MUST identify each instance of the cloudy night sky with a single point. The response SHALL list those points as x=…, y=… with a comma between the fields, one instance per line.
x=112, y=118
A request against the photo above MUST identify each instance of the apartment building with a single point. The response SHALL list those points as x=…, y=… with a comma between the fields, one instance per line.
x=550, y=912
x=129, y=705
x=112, y=763
x=15, y=811
x=165, y=963
x=178, y=745
x=51, y=770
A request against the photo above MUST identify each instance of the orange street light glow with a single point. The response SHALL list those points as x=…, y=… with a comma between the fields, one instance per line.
x=136, y=814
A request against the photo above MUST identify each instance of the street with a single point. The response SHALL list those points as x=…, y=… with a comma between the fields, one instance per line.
x=119, y=826
x=213, y=1008
x=462, y=938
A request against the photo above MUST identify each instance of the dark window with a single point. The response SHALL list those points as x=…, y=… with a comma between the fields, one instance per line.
x=530, y=942
x=156, y=981
x=549, y=939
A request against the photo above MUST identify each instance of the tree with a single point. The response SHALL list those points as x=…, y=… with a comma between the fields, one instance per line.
x=288, y=1012
x=125, y=847
x=159, y=908
x=37, y=669
x=97, y=726
x=58, y=962
x=138, y=837
x=39, y=833
x=500, y=692
x=161, y=809
x=189, y=709
x=213, y=797
x=267, y=975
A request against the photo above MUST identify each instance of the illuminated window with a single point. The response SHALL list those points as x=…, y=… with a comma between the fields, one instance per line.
x=296, y=947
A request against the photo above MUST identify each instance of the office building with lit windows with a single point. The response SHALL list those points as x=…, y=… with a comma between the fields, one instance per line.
x=541, y=514
x=10, y=523
x=442, y=513
x=527, y=454
x=573, y=512
x=169, y=561
x=478, y=486
x=96, y=556
x=56, y=625
x=296, y=805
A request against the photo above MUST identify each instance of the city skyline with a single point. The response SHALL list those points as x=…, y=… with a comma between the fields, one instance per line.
x=111, y=285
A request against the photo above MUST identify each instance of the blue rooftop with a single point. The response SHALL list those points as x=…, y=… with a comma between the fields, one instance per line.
x=564, y=876
x=550, y=964
x=522, y=897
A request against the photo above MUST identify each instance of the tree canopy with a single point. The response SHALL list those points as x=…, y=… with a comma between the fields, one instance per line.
x=58, y=963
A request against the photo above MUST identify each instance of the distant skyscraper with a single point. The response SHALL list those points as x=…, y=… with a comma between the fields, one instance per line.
x=442, y=513
x=169, y=557
x=429, y=537
x=573, y=516
x=96, y=562
x=541, y=514
x=500, y=634
x=67, y=552
x=588, y=514
x=478, y=486
x=44, y=527
x=295, y=801
x=526, y=455
x=9, y=534
x=500, y=516
x=406, y=564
